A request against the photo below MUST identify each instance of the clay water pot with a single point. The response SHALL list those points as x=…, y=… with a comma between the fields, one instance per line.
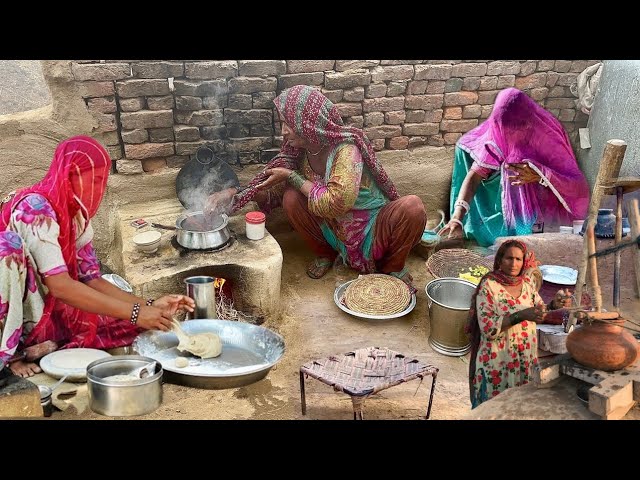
x=603, y=346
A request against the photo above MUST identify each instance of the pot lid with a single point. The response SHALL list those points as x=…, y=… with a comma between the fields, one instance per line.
x=201, y=176
x=255, y=217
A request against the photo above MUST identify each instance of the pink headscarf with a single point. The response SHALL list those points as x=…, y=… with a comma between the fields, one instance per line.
x=76, y=181
x=519, y=130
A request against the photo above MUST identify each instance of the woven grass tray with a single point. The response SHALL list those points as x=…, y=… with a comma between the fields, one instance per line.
x=339, y=298
x=377, y=294
x=451, y=262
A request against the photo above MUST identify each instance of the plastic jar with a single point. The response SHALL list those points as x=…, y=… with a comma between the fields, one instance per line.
x=255, y=225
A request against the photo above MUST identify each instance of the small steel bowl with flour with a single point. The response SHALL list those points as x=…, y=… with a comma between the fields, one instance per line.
x=115, y=392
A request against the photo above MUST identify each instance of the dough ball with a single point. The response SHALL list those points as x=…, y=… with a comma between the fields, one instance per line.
x=182, y=362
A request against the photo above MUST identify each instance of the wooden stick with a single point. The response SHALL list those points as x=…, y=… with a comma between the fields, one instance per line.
x=610, y=164
x=616, y=263
x=634, y=219
x=594, y=283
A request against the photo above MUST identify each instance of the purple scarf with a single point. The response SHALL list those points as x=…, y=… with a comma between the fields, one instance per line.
x=519, y=130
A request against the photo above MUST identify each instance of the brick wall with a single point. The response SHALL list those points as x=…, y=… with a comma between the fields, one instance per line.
x=154, y=114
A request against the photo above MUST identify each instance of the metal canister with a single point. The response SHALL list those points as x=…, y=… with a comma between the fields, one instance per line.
x=202, y=289
x=117, y=398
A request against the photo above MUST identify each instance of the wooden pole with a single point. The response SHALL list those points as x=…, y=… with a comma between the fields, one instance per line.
x=610, y=164
x=616, y=264
x=594, y=283
x=634, y=219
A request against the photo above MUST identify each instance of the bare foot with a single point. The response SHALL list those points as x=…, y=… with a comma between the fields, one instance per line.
x=24, y=369
x=408, y=279
x=319, y=267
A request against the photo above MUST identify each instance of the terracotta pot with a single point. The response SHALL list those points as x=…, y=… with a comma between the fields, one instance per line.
x=603, y=346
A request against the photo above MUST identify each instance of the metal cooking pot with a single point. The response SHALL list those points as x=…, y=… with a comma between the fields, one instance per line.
x=197, y=240
x=115, y=398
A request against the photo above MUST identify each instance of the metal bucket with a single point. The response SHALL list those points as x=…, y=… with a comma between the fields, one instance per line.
x=449, y=301
x=202, y=290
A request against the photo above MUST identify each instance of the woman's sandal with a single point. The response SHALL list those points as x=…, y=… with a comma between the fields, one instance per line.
x=319, y=267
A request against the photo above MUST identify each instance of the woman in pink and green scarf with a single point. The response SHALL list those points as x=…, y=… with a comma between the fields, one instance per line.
x=335, y=193
x=513, y=170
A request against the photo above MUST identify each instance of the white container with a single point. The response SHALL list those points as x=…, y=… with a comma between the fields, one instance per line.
x=147, y=242
x=255, y=225
x=577, y=226
x=566, y=230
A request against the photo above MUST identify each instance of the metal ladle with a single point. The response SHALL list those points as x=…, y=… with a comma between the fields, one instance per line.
x=144, y=371
x=45, y=396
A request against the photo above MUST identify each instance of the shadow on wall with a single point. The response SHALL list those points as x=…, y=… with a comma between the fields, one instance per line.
x=22, y=86
x=615, y=115
x=29, y=138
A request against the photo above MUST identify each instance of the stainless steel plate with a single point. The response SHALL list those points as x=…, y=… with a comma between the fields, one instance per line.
x=559, y=275
x=248, y=353
x=339, y=293
x=118, y=281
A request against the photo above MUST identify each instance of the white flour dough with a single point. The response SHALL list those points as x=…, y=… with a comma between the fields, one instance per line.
x=203, y=345
x=182, y=362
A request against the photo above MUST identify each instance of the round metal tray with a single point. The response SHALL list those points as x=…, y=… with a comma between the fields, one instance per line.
x=559, y=275
x=248, y=353
x=339, y=293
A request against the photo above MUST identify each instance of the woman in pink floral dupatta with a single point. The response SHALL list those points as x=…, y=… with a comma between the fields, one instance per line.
x=51, y=291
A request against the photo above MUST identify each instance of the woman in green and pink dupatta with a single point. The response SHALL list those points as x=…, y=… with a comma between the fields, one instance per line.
x=513, y=170
x=336, y=194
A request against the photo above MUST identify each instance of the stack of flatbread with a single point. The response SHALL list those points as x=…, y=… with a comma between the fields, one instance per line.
x=377, y=294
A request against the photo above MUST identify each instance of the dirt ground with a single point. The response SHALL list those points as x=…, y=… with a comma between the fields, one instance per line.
x=313, y=327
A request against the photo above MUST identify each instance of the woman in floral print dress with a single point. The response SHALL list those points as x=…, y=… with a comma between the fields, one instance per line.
x=502, y=326
x=51, y=291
